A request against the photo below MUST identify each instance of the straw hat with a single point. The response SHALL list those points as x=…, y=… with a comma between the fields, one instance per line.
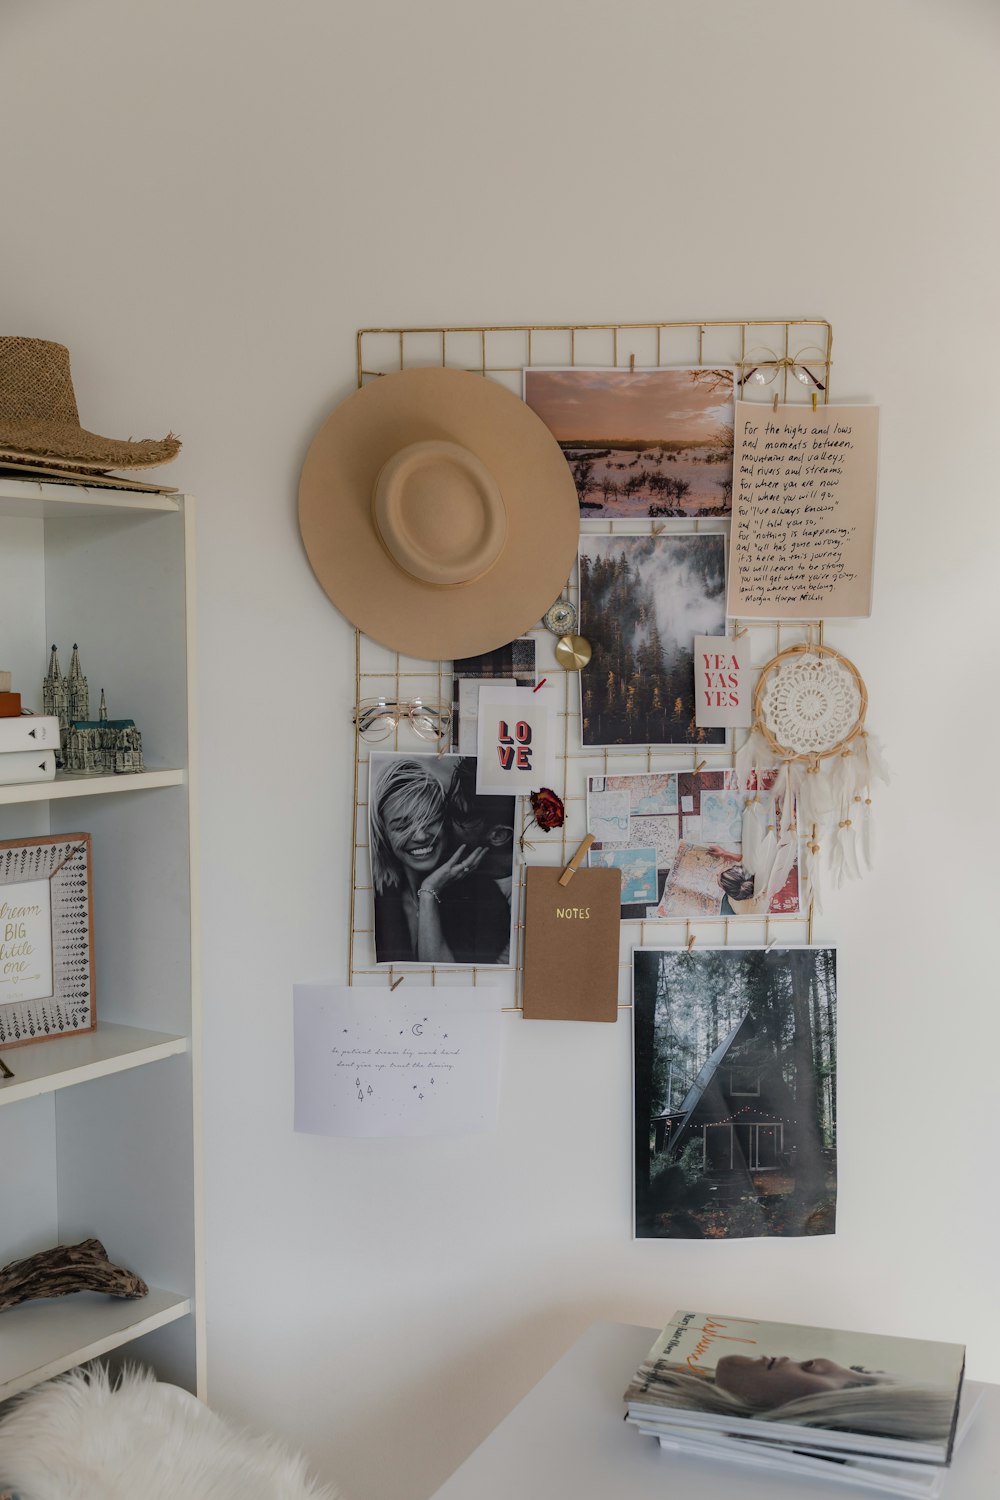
x=438, y=513
x=39, y=425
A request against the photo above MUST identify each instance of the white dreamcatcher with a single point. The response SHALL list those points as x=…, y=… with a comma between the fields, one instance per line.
x=809, y=710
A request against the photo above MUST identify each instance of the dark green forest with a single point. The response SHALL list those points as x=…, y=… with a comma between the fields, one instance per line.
x=642, y=601
x=685, y=1007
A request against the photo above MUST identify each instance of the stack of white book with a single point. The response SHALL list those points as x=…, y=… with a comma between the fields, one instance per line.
x=28, y=745
x=871, y=1410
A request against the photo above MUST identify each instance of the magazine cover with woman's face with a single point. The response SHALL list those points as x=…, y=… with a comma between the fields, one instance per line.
x=891, y=1395
x=442, y=859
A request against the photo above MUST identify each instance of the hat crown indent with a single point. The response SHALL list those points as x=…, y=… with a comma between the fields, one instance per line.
x=439, y=513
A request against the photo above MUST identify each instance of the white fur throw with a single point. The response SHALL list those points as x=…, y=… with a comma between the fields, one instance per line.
x=83, y=1438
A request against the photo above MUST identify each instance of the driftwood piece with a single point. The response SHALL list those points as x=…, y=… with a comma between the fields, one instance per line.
x=65, y=1269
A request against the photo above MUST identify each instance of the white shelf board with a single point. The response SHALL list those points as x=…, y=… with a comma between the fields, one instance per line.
x=35, y=497
x=44, y=1338
x=67, y=784
x=43, y=1067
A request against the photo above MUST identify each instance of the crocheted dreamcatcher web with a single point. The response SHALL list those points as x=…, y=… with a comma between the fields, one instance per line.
x=810, y=702
x=809, y=705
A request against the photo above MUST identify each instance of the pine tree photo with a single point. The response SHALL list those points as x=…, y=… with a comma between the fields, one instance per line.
x=643, y=599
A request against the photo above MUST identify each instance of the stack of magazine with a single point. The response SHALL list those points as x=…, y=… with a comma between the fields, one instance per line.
x=871, y=1410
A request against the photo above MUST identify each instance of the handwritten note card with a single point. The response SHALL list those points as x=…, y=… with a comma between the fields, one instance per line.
x=803, y=534
x=415, y=1061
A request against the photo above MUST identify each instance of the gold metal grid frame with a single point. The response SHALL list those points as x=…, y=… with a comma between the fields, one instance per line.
x=502, y=353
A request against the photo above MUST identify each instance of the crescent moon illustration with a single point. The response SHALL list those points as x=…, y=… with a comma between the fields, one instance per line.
x=417, y=1030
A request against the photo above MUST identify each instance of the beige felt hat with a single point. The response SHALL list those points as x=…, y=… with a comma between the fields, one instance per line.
x=39, y=423
x=438, y=513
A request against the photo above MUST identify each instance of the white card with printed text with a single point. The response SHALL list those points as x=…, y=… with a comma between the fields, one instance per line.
x=516, y=740
x=723, y=694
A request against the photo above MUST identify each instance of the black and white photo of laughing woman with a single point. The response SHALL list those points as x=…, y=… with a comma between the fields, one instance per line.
x=442, y=862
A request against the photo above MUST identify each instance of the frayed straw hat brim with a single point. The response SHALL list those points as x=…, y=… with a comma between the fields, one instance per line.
x=85, y=449
x=86, y=478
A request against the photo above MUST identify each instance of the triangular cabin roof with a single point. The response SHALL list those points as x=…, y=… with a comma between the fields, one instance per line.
x=706, y=1073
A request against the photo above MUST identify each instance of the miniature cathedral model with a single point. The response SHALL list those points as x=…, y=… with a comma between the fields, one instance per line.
x=89, y=747
x=65, y=698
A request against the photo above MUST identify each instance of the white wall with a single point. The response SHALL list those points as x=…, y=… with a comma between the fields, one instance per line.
x=204, y=199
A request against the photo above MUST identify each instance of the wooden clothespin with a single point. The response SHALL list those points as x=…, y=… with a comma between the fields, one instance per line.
x=740, y=632
x=4, y=1070
x=570, y=870
x=814, y=400
x=774, y=404
x=691, y=942
x=396, y=983
x=631, y=364
x=700, y=767
x=658, y=527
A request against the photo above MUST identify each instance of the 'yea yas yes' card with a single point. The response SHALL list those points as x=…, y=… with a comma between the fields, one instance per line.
x=516, y=747
x=723, y=696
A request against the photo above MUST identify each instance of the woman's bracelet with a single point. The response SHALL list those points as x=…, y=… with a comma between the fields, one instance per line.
x=425, y=890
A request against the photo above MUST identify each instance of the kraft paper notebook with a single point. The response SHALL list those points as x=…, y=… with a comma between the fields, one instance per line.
x=571, y=936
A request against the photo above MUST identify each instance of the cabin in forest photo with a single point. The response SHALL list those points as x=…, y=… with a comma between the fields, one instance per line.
x=739, y=1109
x=735, y=1092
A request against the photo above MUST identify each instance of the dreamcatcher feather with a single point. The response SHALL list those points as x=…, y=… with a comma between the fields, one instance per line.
x=769, y=850
x=809, y=713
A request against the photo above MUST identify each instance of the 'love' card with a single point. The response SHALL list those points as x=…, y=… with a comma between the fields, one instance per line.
x=516, y=740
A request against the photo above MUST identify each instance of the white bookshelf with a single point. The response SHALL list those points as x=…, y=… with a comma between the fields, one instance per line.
x=67, y=784
x=65, y=1060
x=100, y=1133
x=43, y=1340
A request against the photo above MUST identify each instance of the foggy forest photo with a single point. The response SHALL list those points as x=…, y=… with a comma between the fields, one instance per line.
x=735, y=1056
x=643, y=599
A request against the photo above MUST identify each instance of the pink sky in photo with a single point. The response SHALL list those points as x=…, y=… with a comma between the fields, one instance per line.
x=591, y=405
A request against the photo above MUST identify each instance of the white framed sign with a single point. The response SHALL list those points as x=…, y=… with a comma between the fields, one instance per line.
x=25, y=941
x=46, y=938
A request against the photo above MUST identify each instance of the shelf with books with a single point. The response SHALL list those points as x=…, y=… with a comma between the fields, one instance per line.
x=67, y=1060
x=42, y=1339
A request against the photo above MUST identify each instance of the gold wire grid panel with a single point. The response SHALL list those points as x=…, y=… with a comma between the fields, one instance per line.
x=501, y=353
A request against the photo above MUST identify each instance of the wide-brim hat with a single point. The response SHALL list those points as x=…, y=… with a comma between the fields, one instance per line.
x=438, y=513
x=40, y=425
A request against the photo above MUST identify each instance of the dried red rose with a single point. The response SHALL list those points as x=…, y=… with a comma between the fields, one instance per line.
x=548, y=809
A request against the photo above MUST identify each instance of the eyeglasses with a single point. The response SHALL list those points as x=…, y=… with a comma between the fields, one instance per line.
x=377, y=719
x=765, y=364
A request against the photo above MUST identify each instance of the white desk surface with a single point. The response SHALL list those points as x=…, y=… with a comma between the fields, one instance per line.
x=567, y=1441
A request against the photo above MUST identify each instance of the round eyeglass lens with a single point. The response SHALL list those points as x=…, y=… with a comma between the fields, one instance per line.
x=760, y=367
x=810, y=368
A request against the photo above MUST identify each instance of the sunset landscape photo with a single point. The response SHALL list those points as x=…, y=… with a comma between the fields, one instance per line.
x=642, y=442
